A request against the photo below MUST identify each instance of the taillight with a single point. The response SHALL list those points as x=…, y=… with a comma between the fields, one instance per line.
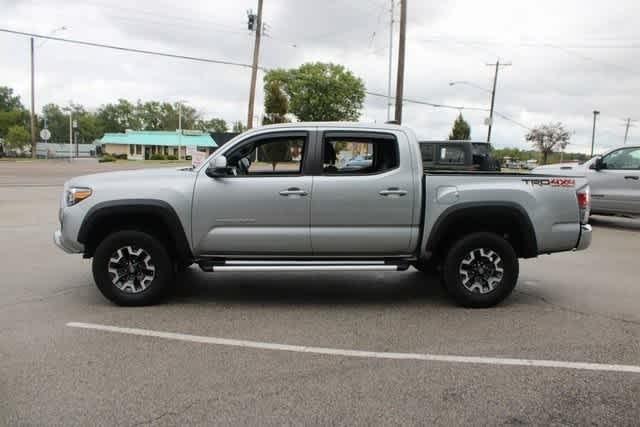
x=584, y=203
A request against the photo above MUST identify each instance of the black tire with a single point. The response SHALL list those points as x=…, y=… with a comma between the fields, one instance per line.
x=481, y=270
x=162, y=275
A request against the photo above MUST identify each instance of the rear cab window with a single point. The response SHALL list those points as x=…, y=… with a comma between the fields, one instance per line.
x=360, y=153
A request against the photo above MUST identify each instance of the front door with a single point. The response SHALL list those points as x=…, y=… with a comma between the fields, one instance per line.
x=363, y=199
x=262, y=206
x=616, y=187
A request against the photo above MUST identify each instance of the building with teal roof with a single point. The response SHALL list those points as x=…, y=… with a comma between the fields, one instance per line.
x=141, y=145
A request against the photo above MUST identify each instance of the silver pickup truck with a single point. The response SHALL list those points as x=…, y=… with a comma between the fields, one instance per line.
x=614, y=179
x=292, y=198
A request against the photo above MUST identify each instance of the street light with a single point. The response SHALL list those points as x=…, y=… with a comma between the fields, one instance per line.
x=52, y=32
x=488, y=121
x=464, y=82
x=593, y=132
x=33, y=94
x=180, y=102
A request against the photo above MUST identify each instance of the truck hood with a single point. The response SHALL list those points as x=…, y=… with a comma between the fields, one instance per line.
x=131, y=177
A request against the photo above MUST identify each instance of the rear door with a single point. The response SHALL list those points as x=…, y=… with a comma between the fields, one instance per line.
x=616, y=187
x=263, y=205
x=364, y=196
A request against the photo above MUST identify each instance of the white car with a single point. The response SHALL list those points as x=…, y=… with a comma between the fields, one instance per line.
x=614, y=179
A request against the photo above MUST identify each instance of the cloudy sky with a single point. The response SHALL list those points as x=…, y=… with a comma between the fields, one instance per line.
x=569, y=57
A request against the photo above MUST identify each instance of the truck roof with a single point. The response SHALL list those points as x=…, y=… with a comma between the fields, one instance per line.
x=342, y=125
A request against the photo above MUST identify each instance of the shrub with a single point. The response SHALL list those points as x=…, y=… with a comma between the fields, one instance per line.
x=157, y=157
x=120, y=156
x=106, y=158
x=172, y=157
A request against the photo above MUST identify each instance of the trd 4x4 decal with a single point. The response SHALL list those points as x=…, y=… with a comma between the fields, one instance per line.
x=551, y=182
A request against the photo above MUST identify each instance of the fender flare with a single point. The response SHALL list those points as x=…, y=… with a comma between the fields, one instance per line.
x=152, y=207
x=471, y=210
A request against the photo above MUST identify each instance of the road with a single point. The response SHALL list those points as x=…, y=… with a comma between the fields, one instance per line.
x=573, y=307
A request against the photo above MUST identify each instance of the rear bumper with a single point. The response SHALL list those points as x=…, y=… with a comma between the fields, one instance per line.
x=585, y=237
x=60, y=242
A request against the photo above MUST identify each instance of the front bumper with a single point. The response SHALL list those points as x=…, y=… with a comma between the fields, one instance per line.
x=60, y=242
x=585, y=237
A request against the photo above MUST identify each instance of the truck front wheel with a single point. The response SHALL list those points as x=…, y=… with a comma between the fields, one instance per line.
x=132, y=268
x=480, y=270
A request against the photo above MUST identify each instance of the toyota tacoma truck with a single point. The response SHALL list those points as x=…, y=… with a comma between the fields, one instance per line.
x=288, y=198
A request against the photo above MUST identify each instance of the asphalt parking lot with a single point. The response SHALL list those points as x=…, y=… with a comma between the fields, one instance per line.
x=570, y=308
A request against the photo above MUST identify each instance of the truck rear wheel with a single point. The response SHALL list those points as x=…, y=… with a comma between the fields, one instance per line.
x=480, y=270
x=132, y=268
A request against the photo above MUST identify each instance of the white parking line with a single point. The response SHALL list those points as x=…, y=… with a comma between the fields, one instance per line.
x=360, y=353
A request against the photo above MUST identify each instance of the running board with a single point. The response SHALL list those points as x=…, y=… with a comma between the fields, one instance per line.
x=253, y=265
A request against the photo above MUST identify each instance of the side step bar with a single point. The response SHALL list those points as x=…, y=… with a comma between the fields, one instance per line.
x=251, y=265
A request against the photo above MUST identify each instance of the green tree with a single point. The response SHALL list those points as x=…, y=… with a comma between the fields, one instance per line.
x=239, y=127
x=276, y=152
x=12, y=112
x=461, y=130
x=549, y=138
x=57, y=122
x=9, y=101
x=119, y=117
x=17, y=137
x=320, y=91
x=212, y=125
x=276, y=103
x=89, y=128
x=12, y=118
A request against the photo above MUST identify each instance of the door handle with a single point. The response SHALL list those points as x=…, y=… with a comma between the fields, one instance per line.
x=631, y=177
x=293, y=191
x=393, y=191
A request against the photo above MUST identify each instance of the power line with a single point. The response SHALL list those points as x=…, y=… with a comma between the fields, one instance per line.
x=430, y=104
x=238, y=64
x=453, y=107
x=170, y=18
x=563, y=48
x=127, y=49
x=535, y=44
x=504, y=116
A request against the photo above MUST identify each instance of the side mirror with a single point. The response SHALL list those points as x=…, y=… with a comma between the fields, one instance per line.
x=599, y=164
x=217, y=167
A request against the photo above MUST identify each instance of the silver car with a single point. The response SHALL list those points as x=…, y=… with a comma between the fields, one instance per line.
x=614, y=179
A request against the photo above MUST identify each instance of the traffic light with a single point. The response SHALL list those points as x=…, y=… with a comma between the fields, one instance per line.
x=251, y=24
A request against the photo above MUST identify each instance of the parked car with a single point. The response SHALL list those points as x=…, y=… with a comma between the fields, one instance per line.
x=458, y=155
x=142, y=227
x=359, y=162
x=614, y=179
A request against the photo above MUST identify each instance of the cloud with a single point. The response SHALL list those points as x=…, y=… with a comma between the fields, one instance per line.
x=569, y=57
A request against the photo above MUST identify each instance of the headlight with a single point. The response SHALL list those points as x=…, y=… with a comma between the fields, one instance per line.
x=77, y=194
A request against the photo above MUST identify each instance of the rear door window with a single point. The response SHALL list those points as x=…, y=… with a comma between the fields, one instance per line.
x=358, y=155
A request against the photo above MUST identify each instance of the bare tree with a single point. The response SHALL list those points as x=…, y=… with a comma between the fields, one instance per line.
x=549, y=138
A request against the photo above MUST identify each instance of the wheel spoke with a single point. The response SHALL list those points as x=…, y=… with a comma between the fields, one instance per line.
x=481, y=270
x=131, y=269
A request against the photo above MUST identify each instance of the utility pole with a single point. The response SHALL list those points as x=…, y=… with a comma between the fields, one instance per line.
x=70, y=134
x=401, y=49
x=254, y=68
x=33, y=107
x=593, y=132
x=389, y=102
x=493, y=94
x=626, y=131
x=179, y=129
